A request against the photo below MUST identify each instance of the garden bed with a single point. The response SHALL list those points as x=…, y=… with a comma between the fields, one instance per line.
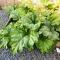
x=31, y=30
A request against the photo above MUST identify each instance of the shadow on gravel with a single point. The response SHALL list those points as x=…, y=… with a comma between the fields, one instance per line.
x=26, y=55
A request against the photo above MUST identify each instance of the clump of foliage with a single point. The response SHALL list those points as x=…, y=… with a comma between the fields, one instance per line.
x=45, y=45
x=29, y=26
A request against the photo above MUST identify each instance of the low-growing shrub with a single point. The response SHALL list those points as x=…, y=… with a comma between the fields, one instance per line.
x=31, y=26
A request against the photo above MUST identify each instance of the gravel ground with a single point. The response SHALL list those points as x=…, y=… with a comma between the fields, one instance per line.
x=5, y=54
x=3, y=19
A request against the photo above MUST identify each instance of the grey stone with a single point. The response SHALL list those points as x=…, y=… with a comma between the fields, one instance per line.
x=5, y=54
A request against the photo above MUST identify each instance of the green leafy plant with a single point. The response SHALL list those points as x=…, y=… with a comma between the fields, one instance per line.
x=45, y=45
x=29, y=27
